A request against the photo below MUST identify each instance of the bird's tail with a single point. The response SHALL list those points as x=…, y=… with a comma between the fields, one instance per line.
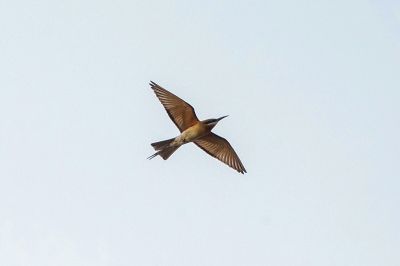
x=162, y=144
x=163, y=149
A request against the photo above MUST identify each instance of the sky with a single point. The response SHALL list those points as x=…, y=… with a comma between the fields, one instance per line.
x=312, y=91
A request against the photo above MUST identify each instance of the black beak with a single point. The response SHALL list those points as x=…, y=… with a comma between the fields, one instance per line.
x=222, y=117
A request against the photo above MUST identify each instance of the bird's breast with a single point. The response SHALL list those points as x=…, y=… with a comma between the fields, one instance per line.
x=193, y=132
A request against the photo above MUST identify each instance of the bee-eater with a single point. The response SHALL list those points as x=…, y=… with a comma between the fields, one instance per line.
x=192, y=130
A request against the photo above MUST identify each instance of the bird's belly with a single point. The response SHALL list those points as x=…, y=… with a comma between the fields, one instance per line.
x=192, y=133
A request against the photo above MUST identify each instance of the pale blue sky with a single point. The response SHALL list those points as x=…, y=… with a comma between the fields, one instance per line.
x=312, y=91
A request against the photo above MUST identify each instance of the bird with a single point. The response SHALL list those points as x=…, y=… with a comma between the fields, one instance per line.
x=192, y=130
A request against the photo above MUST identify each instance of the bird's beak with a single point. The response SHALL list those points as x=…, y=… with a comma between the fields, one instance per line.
x=222, y=117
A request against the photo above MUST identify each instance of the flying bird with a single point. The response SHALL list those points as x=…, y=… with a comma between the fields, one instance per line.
x=192, y=130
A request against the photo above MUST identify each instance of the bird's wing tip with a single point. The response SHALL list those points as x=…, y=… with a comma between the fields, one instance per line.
x=154, y=86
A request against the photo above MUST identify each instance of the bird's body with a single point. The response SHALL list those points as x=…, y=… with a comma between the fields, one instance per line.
x=192, y=130
x=192, y=133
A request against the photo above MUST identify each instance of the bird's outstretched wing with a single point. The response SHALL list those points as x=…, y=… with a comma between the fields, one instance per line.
x=220, y=148
x=180, y=112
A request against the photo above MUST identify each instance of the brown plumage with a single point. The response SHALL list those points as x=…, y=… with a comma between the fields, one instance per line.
x=192, y=130
x=180, y=112
x=219, y=148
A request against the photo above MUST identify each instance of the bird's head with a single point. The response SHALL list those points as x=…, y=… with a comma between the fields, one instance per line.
x=213, y=121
